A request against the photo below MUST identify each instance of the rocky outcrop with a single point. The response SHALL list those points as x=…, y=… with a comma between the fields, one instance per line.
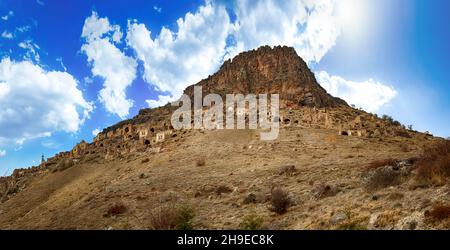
x=267, y=70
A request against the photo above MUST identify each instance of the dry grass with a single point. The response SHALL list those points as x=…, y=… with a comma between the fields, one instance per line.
x=163, y=218
x=433, y=167
x=170, y=217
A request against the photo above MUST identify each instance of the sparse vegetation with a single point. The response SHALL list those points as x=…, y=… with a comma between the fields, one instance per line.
x=433, y=166
x=390, y=120
x=279, y=200
x=252, y=222
x=170, y=217
x=145, y=160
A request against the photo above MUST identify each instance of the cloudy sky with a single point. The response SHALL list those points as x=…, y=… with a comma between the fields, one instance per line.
x=70, y=68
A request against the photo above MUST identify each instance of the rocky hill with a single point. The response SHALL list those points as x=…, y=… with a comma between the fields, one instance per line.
x=331, y=167
x=267, y=70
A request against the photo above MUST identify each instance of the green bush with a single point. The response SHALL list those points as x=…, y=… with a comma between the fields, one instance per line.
x=252, y=222
x=185, y=216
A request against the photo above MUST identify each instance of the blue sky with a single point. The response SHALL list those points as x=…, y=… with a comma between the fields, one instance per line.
x=69, y=68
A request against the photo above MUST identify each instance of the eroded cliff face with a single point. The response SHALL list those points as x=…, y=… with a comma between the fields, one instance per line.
x=267, y=70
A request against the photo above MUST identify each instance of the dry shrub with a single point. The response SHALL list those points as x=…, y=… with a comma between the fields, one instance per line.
x=170, y=217
x=200, y=162
x=259, y=197
x=383, y=177
x=287, y=170
x=223, y=189
x=163, y=218
x=115, y=210
x=279, y=200
x=323, y=190
x=433, y=166
x=381, y=163
x=438, y=212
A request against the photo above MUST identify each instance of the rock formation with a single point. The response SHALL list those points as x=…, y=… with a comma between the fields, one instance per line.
x=267, y=70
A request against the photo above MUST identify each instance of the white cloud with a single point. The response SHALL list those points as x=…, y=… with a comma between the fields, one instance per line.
x=157, y=9
x=22, y=29
x=176, y=59
x=96, y=28
x=162, y=100
x=35, y=102
x=31, y=50
x=59, y=59
x=40, y=2
x=311, y=27
x=7, y=35
x=2, y=153
x=96, y=131
x=7, y=16
x=369, y=95
x=108, y=62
